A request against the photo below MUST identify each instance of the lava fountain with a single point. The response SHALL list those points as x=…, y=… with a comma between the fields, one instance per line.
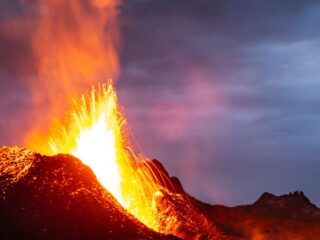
x=76, y=45
x=95, y=132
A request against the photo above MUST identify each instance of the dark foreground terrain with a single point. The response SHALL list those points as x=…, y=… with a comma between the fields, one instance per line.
x=59, y=198
x=285, y=217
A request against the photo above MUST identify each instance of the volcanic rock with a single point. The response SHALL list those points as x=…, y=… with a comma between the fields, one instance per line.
x=162, y=177
x=290, y=216
x=58, y=197
x=175, y=210
x=178, y=216
x=295, y=206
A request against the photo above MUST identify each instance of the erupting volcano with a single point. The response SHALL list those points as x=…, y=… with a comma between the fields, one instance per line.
x=95, y=133
x=82, y=179
x=75, y=51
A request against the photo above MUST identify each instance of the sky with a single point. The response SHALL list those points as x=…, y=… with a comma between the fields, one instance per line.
x=224, y=93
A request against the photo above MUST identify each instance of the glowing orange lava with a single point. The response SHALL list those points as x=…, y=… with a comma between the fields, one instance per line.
x=94, y=132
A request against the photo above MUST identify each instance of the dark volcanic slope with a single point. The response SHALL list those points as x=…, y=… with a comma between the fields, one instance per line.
x=177, y=214
x=271, y=217
x=59, y=198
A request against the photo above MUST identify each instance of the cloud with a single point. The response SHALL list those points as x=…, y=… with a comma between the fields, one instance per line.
x=255, y=63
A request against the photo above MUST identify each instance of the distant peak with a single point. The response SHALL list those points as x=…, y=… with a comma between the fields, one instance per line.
x=296, y=198
x=265, y=197
x=296, y=194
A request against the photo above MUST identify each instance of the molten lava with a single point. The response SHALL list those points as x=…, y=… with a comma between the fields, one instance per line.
x=94, y=132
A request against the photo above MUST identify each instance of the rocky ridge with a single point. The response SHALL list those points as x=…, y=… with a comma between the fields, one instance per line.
x=59, y=197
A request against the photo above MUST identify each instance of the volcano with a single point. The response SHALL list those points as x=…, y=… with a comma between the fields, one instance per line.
x=81, y=176
x=59, y=197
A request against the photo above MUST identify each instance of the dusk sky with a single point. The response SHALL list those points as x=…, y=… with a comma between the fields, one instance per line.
x=226, y=94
